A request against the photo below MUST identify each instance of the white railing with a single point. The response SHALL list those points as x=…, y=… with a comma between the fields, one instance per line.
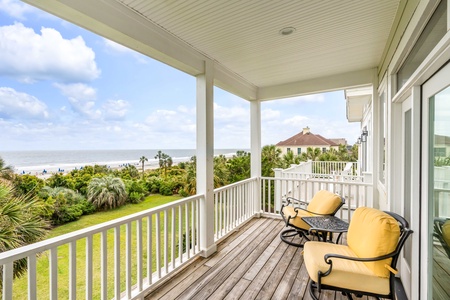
x=234, y=205
x=276, y=190
x=325, y=167
x=118, y=259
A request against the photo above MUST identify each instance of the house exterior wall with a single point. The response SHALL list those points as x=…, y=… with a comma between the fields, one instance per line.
x=386, y=123
x=294, y=148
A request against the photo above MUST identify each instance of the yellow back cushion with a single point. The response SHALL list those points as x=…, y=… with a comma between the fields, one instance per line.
x=373, y=233
x=446, y=232
x=324, y=202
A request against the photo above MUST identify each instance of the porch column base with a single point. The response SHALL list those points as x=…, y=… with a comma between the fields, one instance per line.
x=208, y=252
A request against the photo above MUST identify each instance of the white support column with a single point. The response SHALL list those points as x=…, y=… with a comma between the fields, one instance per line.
x=375, y=140
x=255, y=131
x=205, y=158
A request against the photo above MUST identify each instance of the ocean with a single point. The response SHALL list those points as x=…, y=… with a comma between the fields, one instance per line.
x=67, y=160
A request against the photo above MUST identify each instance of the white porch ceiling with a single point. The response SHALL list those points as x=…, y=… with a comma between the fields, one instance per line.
x=337, y=44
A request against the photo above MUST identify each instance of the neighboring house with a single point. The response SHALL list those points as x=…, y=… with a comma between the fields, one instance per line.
x=305, y=139
x=441, y=146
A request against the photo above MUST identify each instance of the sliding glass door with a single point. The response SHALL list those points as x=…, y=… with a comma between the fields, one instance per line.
x=436, y=186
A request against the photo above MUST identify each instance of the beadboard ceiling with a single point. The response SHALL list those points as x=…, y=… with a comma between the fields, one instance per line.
x=242, y=37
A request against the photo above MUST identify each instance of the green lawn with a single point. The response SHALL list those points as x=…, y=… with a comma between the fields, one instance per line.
x=20, y=285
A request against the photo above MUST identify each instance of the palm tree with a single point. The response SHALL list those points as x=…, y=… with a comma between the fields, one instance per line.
x=20, y=223
x=6, y=172
x=142, y=160
x=106, y=192
x=270, y=159
x=164, y=160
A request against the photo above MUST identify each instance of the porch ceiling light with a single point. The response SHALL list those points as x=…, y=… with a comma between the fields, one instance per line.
x=287, y=30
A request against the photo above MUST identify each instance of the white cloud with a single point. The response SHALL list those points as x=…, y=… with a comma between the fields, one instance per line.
x=15, y=9
x=233, y=113
x=29, y=56
x=16, y=105
x=81, y=98
x=269, y=114
x=115, y=109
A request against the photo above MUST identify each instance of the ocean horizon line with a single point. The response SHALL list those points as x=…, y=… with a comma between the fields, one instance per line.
x=36, y=162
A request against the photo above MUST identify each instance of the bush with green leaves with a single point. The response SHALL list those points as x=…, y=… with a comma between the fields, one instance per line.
x=27, y=184
x=136, y=190
x=65, y=205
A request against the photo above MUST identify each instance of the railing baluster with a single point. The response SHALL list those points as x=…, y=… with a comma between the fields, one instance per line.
x=139, y=253
x=73, y=270
x=8, y=271
x=150, y=249
x=31, y=264
x=128, y=259
x=53, y=273
x=197, y=225
x=172, y=256
x=180, y=234
x=166, y=241
x=117, y=262
x=187, y=231
x=89, y=276
x=104, y=264
x=158, y=245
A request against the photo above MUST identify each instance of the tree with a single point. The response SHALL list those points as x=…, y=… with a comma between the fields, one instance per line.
x=270, y=159
x=289, y=159
x=6, y=172
x=20, y=223
x=106, y=192
x=164, y=160
x=311, y=154
x=239, y=166
x=142, y=160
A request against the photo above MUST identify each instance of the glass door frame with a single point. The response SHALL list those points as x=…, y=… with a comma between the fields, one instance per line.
x=433, y=86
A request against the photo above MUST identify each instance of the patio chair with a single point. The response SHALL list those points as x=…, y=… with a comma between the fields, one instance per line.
x=324, y=203
x=367, y=265
x=442, y=233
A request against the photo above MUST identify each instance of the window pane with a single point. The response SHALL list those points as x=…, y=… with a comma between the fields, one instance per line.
x=429, y=38
x=439, y=193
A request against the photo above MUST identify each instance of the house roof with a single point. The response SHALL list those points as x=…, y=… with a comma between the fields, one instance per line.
x=307, y=139
x=334, y=44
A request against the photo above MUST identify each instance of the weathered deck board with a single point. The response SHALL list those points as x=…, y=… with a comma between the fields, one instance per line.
x=252, y=263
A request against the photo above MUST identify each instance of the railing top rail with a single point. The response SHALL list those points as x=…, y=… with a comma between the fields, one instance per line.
x=18, y=253
x=235, y=184
x=318, y=180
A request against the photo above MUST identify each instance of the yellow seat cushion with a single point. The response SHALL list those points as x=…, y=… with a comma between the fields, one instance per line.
x=373, y=233
x=324, y=202
x=345, y=273
x=289, y=211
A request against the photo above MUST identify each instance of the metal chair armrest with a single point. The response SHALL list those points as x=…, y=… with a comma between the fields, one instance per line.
x=298, y=201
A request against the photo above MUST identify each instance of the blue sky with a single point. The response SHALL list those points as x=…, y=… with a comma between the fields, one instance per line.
x=64, y=88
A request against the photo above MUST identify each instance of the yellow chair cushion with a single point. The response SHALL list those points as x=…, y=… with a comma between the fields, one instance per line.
x=345, y=273
x=324, y=202
x=446, y=232
x=373, y=233
x=289, y=211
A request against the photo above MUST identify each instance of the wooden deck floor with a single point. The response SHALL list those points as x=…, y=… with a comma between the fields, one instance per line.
x=252, y=263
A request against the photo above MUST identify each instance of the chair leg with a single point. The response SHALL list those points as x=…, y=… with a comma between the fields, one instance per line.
x=287, y=235
x=349, y=296
x=312, y=285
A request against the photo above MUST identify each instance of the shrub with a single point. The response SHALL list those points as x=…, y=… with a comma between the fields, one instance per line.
x=64, y=205
x=107, y=192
